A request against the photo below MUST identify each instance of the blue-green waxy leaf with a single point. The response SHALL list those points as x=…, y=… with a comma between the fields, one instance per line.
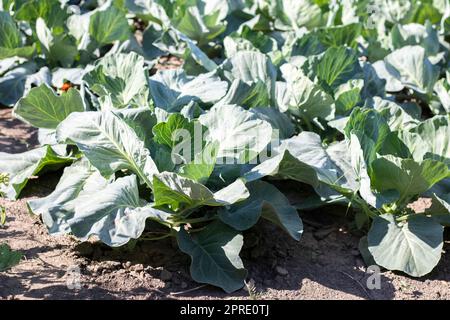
x=396, y=116
x=306, y=98
x=172, y=89
x=247, y=95
x=392, y=84
x=242, y=136
x=115, y=214
x=22, y=166
x=42, y=108
x=303, y=158
x=77, y=184
x=215, y=256
x=281, y=123
x=374, y=135
x=109, y=25
x=267, y=201
x=178, y=44
x=292, y=15
x=121, y=78
x=17, y=82
x=416, y=34
x=177, y=192
x=109, y=143
x=413, y=247
x=250, y=67
x=412, y=68
x=8, y=258
x=429, y=139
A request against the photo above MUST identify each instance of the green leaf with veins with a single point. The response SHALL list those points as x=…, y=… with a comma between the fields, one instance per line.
x=42, y=108
x=408, y=177
x=109, y=25
x=215, y=255
x=179, y=193
x=413, y=247
x=109, y=143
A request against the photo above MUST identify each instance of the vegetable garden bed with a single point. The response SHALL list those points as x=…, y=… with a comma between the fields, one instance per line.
x=198, y=124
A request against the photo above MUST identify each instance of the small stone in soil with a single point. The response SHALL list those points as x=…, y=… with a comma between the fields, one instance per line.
x=165, y=275
x=281, y=271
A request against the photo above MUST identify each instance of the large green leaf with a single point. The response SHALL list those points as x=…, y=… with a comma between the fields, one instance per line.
x=307, y=99
x=42, y=108
x=392, y=83
x=267, y=201
x=396, y=116
x=374, y=134
x=293, y=14
x=141, y=120
x=429, y=139
x=115, y=214
x=109, y=25
x=250, y=67
x=215, y=256
x=10, y=39
x=281, y=123
x=201, y=167
x=413, y=247
x=338, y=36
x=18, y=81
x=122, y=78
x=108, y=142
x=241, y=137
x=22, y=166
x=76, y=185
x=442, y=89
x=58, y=49
x=179, y=193
x=172, y=89
x=335, y=67
x=50, y=11
x=412, y=68
x=303, y=158
x=200, y=22
x=183, y=138
x=408, y=177
x=10, y=36
x=416, y=34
